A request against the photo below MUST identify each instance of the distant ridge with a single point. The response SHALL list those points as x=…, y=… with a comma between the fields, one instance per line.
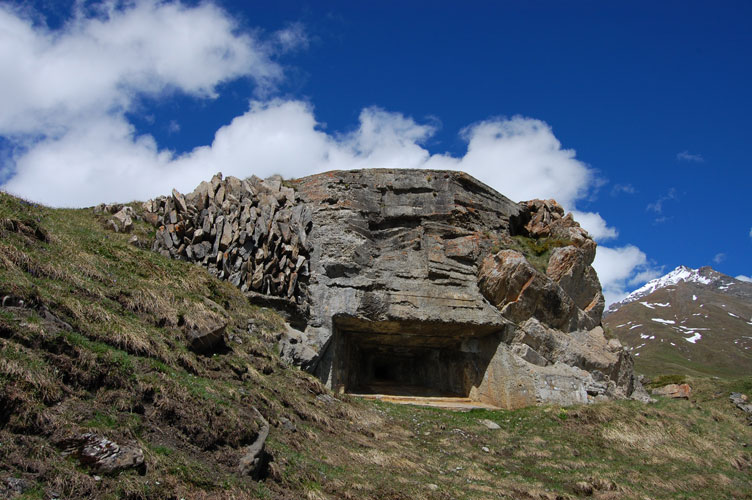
x=703, y=276
x=690, y=320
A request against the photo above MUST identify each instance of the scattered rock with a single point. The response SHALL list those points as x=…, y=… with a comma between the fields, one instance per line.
x=103, y=455
x=255, y=460
x=287, y=424
x=490, y=424
x=208, y=339
x=676, y=391
x=124, y=220
x=326, y=398
x=293, y=348
x=742, y=402
x=17, y=485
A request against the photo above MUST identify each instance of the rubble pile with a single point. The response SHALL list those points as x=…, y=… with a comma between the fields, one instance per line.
x=250, y=232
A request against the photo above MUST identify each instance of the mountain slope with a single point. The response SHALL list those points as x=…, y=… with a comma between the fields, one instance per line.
x=688, y=320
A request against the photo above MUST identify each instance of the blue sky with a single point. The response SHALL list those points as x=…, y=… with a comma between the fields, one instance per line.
x=633, y=114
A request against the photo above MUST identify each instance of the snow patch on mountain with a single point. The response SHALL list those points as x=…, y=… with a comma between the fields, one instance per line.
x=704, y=276
x=664, y=321
x=681, y=273
x=694, y=338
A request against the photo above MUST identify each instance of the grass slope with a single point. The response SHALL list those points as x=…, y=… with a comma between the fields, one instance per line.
x=99, y=345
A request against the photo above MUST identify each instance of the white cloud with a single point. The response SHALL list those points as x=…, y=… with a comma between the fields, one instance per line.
x=719, y=257
x=104, y=159
x=741, y=277
x=623, y=188
x=292, y=38
x=522, y=158
x=657, y=205
x=691, y=157
x=98, y=65
x=66, y=112
x=621, y=269
x=594, y=224
x=750, y=232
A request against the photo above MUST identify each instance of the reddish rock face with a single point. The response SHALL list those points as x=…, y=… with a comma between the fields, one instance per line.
x=676, y=391
x=520, y=292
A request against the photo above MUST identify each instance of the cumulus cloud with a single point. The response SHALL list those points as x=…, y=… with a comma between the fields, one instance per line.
x=596, y=225
x=66, y=116
x=100, y=64
x=691, y=157
x=622, y=269
x=105, y=159
x=741, y=277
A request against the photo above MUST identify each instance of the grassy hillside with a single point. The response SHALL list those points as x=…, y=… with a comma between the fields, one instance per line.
x=94, y=335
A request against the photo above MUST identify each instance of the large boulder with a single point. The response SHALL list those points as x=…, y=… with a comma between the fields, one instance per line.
x=509, y=282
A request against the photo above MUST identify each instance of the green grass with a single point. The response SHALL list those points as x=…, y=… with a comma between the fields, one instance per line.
x=538, y=250
x=662, y=380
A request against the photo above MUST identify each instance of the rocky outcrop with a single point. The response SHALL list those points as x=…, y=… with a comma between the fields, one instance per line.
x=675, y=391
x=515, y=287
x=741, y=401
x=122, y=216
x=428, y=280
x=255, y=460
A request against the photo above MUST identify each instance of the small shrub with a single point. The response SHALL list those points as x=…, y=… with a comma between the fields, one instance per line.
x=538, y=251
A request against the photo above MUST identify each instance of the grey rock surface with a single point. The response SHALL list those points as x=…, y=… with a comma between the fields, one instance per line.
x=103, y=455
x=250, y=232
x=208, y=338
x=411, y=280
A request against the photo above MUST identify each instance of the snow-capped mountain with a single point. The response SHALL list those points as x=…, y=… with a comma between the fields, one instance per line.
x=696, y=320
x=703, y=276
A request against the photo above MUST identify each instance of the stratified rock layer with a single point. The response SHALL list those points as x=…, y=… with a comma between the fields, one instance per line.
x=412, y=281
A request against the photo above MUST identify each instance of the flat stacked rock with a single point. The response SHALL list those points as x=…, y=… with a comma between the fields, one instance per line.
x=250, y=232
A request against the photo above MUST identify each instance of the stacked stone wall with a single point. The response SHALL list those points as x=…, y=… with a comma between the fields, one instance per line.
x=252, y=232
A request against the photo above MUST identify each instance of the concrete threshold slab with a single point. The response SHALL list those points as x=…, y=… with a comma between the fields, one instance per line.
x=447, y=403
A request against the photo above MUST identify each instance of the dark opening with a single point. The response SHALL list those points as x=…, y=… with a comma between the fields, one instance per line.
x=382, y=372
x=409, y=365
